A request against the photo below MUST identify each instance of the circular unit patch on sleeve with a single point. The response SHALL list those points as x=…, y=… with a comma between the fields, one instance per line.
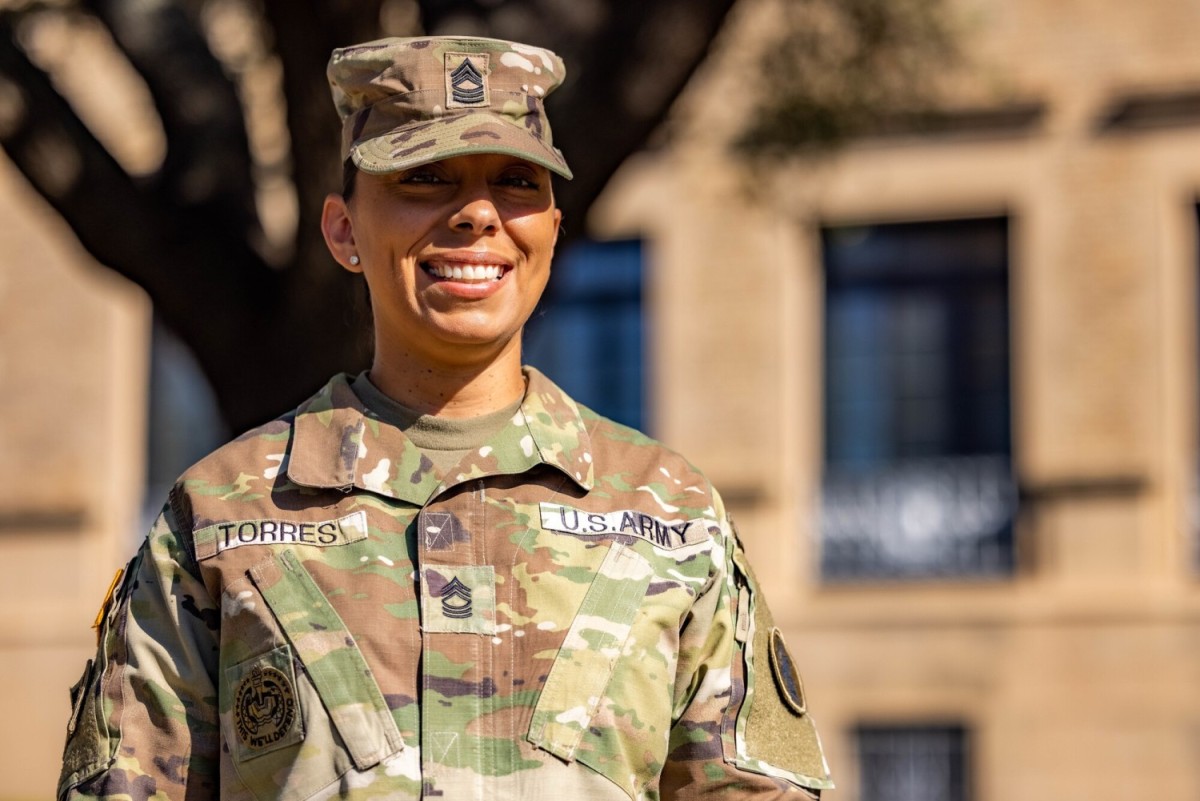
x=787, y=677
x=264, y=707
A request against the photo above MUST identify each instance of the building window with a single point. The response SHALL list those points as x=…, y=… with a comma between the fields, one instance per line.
x=913, y=763
x=918, y=478
x=588, y=335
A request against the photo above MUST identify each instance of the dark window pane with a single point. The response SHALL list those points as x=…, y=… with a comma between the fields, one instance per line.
x=917, y=403
x=912, y=763
x=588, y=337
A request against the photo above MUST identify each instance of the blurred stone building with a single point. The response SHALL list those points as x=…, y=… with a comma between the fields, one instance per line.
x=73, y=356
x=946, y=380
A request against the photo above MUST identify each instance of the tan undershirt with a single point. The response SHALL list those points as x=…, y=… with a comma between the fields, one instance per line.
x=443, y=440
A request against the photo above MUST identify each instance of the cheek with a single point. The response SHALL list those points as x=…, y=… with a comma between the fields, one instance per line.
x=537, y=272
x=536, y=233
x=396, y=231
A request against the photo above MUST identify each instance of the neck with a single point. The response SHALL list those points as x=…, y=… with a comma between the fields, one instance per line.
x=454, y=391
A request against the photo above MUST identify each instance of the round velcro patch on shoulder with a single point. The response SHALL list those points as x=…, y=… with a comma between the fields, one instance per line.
x=787, y=677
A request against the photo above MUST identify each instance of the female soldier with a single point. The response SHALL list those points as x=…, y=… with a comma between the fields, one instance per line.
x=442, y=577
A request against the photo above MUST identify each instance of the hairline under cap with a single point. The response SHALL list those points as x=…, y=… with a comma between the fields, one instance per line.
x=466, y=150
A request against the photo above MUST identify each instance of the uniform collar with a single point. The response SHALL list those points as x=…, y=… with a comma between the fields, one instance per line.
x=338, y=443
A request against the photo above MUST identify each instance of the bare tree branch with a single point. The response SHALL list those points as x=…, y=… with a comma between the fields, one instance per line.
x=208, y=157
x=266, y=337
x=206, y=281
x=304, y=42
x=71, y=169
x=627, y=60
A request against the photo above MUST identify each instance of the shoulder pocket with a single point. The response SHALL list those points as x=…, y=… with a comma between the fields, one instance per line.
x=575, y=689
x=774, y=734
x=87, y=750
x=91, y=746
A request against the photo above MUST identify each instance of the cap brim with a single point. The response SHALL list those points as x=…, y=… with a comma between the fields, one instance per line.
x=476, y=132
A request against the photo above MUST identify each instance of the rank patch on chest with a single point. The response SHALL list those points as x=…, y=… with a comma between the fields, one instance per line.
x=668, y=534
x=458, y=599
x=220, y=537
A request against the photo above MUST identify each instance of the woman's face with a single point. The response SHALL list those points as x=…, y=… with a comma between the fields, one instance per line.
x=456, y=253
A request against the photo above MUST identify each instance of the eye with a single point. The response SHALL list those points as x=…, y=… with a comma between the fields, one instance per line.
x=421, y=175
x=520, y=178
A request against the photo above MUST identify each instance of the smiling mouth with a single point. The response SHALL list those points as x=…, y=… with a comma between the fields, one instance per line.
x=465, y=273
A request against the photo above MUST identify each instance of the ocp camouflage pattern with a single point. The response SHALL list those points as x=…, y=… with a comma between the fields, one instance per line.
x=405, y=102
x=319, y=614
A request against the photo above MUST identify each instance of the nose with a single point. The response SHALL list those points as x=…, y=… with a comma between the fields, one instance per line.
x=476, y=213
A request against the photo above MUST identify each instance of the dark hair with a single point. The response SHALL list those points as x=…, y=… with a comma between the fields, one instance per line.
x=360, y=316
x=349, y=178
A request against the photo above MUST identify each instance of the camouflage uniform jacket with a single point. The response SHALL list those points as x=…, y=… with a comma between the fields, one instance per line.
x=318, y=614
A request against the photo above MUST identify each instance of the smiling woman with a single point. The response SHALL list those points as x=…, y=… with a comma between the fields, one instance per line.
x=456, y=254
x=442, y=577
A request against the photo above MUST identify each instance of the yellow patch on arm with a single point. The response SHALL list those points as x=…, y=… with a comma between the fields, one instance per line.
x=108, y=596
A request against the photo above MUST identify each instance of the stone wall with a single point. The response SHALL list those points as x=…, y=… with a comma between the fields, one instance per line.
x=1073, y=676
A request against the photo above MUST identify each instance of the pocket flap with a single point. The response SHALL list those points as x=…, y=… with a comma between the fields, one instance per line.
x=584, y=664
x=331, y=658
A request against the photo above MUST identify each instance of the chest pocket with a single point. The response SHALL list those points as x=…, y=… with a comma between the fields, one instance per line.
x=301, y=714
x=579, y=714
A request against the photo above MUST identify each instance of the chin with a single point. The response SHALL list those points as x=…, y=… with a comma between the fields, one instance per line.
x=473, y=329
x=473, y=338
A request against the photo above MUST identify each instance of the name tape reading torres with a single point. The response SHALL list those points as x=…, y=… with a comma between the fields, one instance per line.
x=212, y=540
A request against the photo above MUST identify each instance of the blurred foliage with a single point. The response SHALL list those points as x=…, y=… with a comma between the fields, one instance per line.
x=189, y=145
x=839, y=69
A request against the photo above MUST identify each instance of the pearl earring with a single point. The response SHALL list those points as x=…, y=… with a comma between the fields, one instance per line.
x=354, y=260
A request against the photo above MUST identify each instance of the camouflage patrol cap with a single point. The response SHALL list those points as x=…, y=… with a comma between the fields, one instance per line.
x=405, y=102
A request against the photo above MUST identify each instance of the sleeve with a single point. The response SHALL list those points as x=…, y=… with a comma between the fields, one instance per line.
x=144, y=715
x=742, y=727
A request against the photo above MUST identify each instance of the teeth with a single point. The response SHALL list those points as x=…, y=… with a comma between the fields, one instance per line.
x=470, y=272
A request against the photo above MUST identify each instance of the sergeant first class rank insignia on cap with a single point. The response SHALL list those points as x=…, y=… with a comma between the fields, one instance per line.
x=466, y=80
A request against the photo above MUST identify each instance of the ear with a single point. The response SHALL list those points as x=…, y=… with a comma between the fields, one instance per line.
x=558, y=229
x=338, y=230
